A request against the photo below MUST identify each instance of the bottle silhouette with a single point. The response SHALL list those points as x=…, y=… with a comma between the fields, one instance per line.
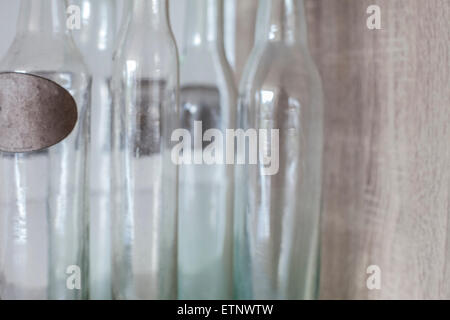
x=96, y=40
x=208, y=98
x=43, y=194
x=277, y=207
x=145, y=180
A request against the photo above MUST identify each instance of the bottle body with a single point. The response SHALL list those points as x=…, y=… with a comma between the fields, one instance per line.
x=43, y=194
x=208, y=99
x=96, y=40
x=278, y=213
x=145, y=180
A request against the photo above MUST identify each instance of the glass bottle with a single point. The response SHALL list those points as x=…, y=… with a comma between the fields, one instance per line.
x=96, y=40
x=145, y=180
x=208, y=98
x=43, y=193
x=278, y=202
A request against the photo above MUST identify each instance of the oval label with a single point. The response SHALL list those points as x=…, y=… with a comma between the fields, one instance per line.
x=35, y=113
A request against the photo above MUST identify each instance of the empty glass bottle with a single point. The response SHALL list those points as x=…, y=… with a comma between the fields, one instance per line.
x=145, y=180
x=43, y=194
x=96, y=40
x=278, y=202
x=208, y=98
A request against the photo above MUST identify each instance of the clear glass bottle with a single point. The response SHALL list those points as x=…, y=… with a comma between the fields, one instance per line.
x=208, y=96
x=145, y=180
x=96, y=40
x=277, y=212
x=43, y=194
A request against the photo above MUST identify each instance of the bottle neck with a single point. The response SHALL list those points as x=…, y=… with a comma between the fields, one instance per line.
x=98, y=25
x=282, y=21
x=43, y=17
x=153, y=14
x=204, y=23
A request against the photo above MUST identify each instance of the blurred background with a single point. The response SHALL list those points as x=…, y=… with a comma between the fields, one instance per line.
x=387, y=151
x=9, y=11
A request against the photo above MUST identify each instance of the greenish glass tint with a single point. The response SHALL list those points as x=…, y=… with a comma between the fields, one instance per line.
x=96, y=40
x=43, y=195
x=144, y=178
x=208, y=95
x=277, y=217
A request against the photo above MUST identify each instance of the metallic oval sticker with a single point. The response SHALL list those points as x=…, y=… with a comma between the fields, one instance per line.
x=35, y=113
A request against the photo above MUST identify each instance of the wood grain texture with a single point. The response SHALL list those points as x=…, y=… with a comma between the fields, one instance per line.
x=387, y=148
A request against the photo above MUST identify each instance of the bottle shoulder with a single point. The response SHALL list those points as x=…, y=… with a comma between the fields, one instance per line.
x=155, y=51
x=140, y=57
x=215, y=68
x=272, y=67
x=136, y=39
x=46, y=55
x=281, y=79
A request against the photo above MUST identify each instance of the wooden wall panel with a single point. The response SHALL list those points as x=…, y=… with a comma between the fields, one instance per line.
x=387, y=148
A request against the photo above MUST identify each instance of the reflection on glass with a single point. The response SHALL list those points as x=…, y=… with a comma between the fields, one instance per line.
x=96, y=39
x=43, y=206
x=208, y=95
x=277, y=216
x=145, y=180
